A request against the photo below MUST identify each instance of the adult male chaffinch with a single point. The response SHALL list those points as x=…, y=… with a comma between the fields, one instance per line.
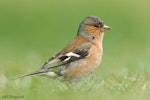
x=81, y=56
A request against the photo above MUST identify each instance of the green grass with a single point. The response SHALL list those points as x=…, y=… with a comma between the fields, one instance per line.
x=31, y=31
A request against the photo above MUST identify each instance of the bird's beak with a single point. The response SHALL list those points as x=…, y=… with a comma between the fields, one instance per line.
x=105, y=27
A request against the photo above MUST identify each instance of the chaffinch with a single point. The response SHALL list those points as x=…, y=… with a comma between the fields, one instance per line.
x=80, y=57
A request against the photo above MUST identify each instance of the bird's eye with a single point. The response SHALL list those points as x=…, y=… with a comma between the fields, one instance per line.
x=96, y=25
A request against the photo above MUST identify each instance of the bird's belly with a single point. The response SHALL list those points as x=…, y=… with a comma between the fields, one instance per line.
x=82, y=67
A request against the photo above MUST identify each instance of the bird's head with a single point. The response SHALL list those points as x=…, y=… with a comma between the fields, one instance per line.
x=92, y=25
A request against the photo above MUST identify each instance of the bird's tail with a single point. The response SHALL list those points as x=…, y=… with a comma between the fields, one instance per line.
x=39, y=72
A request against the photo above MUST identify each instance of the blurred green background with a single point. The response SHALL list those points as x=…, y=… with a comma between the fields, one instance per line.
x=31, y=31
